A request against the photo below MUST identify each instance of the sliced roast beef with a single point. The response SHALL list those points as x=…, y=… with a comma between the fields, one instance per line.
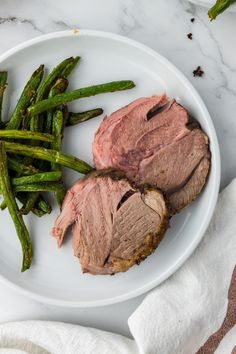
x=193, y=187
x=154, y=142
x=114, y=225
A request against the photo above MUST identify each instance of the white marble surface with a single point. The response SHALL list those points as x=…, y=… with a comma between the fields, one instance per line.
x=163, y=25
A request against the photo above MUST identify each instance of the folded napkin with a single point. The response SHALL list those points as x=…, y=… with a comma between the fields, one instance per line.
x=41, y=337
x=196, y=308
x=193, y=312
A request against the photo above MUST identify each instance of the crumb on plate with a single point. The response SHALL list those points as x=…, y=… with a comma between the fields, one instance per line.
x=75, y=30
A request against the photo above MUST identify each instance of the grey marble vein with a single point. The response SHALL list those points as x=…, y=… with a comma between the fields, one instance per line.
x=13, y=19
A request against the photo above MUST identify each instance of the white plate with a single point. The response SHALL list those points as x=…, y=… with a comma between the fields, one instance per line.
x=210, y=3
x=55, y=276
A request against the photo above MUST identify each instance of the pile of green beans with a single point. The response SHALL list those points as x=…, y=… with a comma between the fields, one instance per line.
x=31, y=156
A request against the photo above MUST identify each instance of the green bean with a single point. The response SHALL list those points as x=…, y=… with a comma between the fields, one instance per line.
x=70, y=66
x=40, y=203
x=8, y=195
x=32, y=197
x=60, y=195
x=76, y=118
x=53, y=176
x=18, y=166
x=59, y=87
x=57, y=131
x=54, y=75
x=3, y=85
x=67, y=97
x=25, y=99
x=28, y=171
x=36, y=202
x=39, y=213
x=38, y=187
x=219, y=7
x=29, y=202
x=45, y=88
x=40, y=153
x=3, y=205
x=23, y=169
x=25, y=135
x=43, y=205
x=22, y=198
x=57, y=128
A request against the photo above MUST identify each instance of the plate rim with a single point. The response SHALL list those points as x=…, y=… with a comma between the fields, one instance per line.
x=214, y=193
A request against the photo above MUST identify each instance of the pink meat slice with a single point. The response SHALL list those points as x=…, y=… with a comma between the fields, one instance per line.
x=103, y=143
x=114, y=225
x=170, y=174
x=193, y=187
x=153, y=142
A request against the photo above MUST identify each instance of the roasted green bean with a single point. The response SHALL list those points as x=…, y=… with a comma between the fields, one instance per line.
x=12, y=206
x=67, y=97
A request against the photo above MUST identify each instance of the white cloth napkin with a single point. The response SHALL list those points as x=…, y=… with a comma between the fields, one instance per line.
x=192, y=312
x=181, y=314
x=40, y=337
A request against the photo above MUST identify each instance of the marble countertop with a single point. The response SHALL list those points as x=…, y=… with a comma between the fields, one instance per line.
x=162, y=25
